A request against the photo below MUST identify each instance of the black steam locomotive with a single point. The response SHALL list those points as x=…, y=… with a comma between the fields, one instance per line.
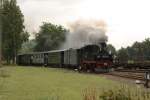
x=87, y=58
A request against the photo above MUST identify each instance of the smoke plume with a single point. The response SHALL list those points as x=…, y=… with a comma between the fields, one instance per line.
x=84, y=32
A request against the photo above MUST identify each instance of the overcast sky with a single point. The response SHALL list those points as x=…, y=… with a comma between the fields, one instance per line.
x=127, y=20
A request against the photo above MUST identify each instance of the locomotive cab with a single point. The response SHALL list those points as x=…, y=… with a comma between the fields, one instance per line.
x=90, y=52
x=88, y=57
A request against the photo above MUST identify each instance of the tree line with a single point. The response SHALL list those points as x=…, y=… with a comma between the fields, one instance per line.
x=15, y=38
x=139, y=51
x=50, y=37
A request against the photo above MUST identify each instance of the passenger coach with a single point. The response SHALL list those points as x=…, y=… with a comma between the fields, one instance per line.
x=87, y=58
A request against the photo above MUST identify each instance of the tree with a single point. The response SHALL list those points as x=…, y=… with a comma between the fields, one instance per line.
x=111, y=48
x=122, y=55
x=146, y=48
x=50, y=37
x=1, y=7
x=139, y=51
x=131, y=53
x=13, y=30
x=28, y=46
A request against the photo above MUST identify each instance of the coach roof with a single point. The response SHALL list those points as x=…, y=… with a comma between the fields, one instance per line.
x=42, y=52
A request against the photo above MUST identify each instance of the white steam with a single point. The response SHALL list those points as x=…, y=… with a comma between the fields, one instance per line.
x=84, y=32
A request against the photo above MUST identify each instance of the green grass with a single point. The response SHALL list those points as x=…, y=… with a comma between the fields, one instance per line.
x=39, y=83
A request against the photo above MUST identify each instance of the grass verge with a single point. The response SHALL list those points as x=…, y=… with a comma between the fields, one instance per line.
x=40, y=83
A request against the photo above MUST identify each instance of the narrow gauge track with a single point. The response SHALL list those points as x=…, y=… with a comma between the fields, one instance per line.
x=134, y=71
x=131, y=74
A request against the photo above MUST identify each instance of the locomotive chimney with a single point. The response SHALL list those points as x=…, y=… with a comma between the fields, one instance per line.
x=103, y=46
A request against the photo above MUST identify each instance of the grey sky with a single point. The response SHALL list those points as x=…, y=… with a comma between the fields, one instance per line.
x=127, y=20
x=55, y=11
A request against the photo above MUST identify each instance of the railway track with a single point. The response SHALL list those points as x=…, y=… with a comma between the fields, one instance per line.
x=131, y=74
x=134, y=71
